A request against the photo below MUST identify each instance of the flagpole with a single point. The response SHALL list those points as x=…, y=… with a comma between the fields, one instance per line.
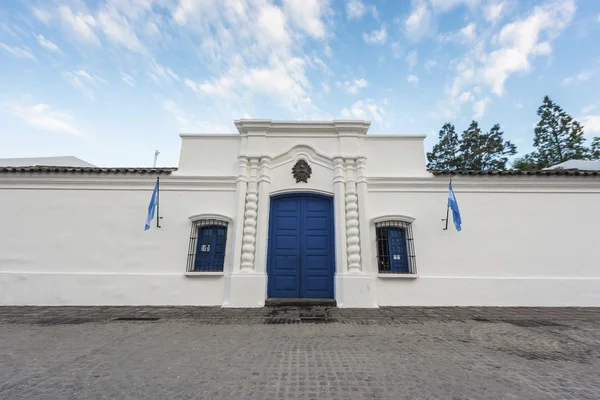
x=447, y=210
x=157, y=202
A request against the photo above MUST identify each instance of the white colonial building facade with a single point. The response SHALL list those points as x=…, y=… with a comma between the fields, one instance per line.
x=285, y=210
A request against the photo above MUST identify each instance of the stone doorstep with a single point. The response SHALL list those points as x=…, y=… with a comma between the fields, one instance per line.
x=300, y=303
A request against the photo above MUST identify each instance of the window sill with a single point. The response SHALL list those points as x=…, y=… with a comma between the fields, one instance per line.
x=204, y=273
x=397, y=276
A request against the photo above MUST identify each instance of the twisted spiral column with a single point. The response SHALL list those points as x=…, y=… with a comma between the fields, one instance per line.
x=250, y=214
x=352, y=224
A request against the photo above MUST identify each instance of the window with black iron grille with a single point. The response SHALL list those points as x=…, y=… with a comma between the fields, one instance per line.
x=206, y=251
x=395, y=249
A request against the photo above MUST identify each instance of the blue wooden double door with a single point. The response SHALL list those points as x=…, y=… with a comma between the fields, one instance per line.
x=301, y=247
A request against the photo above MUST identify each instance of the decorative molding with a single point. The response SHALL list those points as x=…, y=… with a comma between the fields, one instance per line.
x=303, y=151
x=352, y=223
x=393, y=217
x=485, y=184
x=301, y=190
x=250, y=217
x=218, y=217
x=265, y=169
x=398, y=276
x=267, y=127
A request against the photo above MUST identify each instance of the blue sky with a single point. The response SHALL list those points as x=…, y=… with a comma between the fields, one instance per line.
x=111, y=81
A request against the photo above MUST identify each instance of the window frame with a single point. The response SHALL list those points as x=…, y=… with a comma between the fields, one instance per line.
x=405, y=223
x=204, y=220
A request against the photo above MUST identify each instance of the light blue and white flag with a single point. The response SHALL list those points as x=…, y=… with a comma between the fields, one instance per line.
x=152, y=206
x=453, y=205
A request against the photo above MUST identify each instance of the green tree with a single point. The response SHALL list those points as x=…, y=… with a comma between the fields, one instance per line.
x=444, y=154
x=484, y=151
x=558, y=137
x=595, y=148
x=525, y=163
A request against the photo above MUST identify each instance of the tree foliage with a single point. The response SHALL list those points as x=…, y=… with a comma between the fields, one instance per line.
x=558, y=137
x=444, y=154
x=595, y=148
x=474, y=150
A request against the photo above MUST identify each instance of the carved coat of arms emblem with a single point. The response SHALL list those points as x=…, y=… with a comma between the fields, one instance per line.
x=301, y=171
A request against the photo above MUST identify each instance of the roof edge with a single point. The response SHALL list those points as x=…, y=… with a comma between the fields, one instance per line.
x=87, y=170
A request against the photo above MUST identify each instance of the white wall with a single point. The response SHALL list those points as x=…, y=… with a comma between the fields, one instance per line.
x=83, y=241
x=525, y=241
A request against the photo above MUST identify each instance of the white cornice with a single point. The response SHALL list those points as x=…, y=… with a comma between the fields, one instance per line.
x=393, y=217
x=116, y=182
x=267, y=127
x=480, y=184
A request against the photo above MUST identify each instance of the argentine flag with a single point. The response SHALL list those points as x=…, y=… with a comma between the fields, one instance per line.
x=152, y=207
x=453, y=205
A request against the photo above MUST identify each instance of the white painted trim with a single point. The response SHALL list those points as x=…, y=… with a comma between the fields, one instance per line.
x=393, y=217
x=210, y=136
x=302, y=151
x=218, y=217
x=196, y=274
x=397, y=276
x=301, y=190
x=394, y=136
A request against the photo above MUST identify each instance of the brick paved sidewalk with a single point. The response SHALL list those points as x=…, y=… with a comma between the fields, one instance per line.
x=313, y=353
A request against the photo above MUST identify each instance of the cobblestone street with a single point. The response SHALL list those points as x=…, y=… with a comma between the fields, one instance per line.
x=293, y=353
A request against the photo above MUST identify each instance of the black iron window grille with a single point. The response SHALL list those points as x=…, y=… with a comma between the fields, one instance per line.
x=208, y=240
x=395, y=248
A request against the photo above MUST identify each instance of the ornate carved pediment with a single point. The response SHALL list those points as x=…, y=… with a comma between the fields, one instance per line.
x=301, y=171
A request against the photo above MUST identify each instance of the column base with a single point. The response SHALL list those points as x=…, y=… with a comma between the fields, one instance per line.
x=355, y=291
x=245, y=290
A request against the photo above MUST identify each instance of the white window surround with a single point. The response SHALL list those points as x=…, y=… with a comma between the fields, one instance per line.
x=218, y=217
x=393, y=217
x=387, y=218
x=228, y=246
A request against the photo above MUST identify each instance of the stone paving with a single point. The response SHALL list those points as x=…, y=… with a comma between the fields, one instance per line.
x=297, y=353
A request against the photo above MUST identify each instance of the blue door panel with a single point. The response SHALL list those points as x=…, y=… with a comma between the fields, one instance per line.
x=301, y=245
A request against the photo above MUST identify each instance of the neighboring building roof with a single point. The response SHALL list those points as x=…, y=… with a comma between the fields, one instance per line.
x=583, y=165
x=546, y=172
x=68, y=161
x=86, y=170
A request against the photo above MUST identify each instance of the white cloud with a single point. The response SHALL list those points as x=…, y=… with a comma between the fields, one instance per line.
x=159, y=72
x=256, y=49
x=42, y=15
x=326, y=88
x=84, y=81
x=81, y=24
x=355, y=85
x=418, y=23
x=128, y=79
x=186, y=122
x=413, y=79
x=591, y=124
x=308, y=15
x=366, y=109
x=42, y=116
x=376, y=36
x=581, y=77
x=588, y=109
x=442, y=6
x=521, y=40
x=397, y=50
x=479, y=107
x=465, y=97
x=494, y=10
x=19, y=52
x=117, y=29
x=45, y=43
x=411, y=59
x=429, y=64
x=355, y=9
x=466, y=34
